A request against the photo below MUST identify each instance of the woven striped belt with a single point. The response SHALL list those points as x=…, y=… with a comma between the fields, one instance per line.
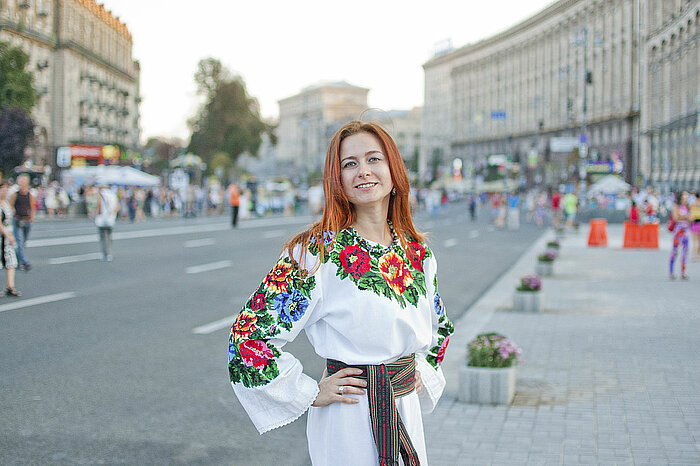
x=385, y=383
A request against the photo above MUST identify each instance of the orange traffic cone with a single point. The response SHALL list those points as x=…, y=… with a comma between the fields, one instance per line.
x=598, y=235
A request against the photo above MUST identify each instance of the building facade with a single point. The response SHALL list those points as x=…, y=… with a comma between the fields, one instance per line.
x=309, y=119
x=87, y=80
x=670, y=155
x=572, y=70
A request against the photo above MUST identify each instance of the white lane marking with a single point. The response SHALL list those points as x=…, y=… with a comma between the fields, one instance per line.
x=473, y=234
x=35, y=301
x=198, y=243
x=274, y=234
x=208, y=267
x=181, y=230
x=214, y=326
x=450, y=243
x=80, y=258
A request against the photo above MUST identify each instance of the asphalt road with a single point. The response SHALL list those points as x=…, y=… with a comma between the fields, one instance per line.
x=125, y=362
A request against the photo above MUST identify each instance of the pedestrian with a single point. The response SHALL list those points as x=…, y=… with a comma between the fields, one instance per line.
x=234, y=200
x=570, y=202
x=513, y=211
x=472, y=207
x=540, y=209
x=362, y=284
x=695, y=226
x=633, y=215
x=680, y=218
x=7, y=243
x=555, y=201
x=105, y=218
x=22, y=203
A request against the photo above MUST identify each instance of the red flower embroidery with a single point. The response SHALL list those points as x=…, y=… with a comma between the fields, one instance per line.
x=280, y=277
x=244, y=325
x=255, y=353
x=395, y=272
x=355, y=260
x=416, y=253
x=257, y=302
x=441, y=351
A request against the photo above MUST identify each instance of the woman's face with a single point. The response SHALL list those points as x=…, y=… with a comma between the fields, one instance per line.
x=364, y=170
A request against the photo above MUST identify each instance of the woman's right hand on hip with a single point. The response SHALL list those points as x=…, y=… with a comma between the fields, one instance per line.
x=332, y=388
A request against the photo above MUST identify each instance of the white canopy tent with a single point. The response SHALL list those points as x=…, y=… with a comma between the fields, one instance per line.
x=110, y=175
x=610, y=184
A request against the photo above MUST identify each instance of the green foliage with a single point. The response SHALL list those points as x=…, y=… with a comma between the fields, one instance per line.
x=229, y=120
x=16, y=83
x=492, y=350
x=220, y=160
x=16, y=130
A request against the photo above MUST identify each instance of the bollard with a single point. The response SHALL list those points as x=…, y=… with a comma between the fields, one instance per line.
x=598, y=235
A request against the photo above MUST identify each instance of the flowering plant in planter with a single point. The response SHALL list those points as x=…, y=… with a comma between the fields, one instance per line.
x=554, y=244
x=548, y=255
x=492, y=350
x=530, y=283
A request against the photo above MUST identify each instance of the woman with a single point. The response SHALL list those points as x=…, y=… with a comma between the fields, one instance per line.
x=681, y=218
x=7, y=242
x=695, y=226
x=363, y=285
x=105, y=218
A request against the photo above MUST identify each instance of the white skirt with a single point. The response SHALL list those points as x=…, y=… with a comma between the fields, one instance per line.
x=341, y=434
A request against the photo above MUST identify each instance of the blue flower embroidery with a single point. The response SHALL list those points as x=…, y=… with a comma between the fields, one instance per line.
x=439, y=308
x=327, y=238
x=291, y=306
x=231, y=351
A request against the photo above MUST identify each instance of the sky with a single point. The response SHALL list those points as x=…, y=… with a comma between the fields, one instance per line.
x=280, y=47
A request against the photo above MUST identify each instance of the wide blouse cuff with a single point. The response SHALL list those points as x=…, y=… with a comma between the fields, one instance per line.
x=282, y=401
x=433, y=384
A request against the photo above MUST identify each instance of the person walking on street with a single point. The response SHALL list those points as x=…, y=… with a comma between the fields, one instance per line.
x=22, y=203
x=570, y=208
x=472, y=207
x=105, y=218
x=695, y=226
x=7, y=242
x=362, y=284
x=680, y=216
x=234, y=200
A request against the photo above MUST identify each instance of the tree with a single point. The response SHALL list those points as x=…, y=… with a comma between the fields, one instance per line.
x=16, y=129
x=229, y=120
x=16, y=83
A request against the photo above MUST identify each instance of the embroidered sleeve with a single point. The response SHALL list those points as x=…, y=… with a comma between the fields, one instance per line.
x=429, y=362
x=268, y=382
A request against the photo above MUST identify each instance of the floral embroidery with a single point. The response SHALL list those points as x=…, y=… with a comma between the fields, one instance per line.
x=257, y=301
x=280, y=276
x=441, y=352
x=291, y=306
x=244, y=325
x=437, y=304
x=255, y=353
x=355, y=261
x=395, y=272
x=437, y=353
x=416, y=254
x=282, y=299
x=386, y=271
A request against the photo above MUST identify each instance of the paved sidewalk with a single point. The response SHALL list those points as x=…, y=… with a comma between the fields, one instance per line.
x=611, y=372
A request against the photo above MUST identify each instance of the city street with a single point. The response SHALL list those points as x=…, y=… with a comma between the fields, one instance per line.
x=125, y=362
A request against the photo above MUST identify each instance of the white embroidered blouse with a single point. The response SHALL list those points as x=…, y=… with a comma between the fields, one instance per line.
x=361, y=304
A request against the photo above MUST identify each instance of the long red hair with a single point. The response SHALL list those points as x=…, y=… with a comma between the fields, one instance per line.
x=338, y=212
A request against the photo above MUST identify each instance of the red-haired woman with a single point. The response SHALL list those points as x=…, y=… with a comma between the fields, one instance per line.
x=363, y=285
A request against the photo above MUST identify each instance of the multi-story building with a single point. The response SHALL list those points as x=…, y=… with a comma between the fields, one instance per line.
x=573, y=70
x=670, y=154
x=309, y=119
x=87, y=80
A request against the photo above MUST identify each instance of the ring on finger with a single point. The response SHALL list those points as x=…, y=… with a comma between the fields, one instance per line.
x=341, y=389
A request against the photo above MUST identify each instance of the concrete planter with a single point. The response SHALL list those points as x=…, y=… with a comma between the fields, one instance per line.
x=527, y=301
x=484, y=385
x=544, y=269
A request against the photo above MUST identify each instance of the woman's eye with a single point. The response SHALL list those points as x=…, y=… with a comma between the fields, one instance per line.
x=348, y=164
